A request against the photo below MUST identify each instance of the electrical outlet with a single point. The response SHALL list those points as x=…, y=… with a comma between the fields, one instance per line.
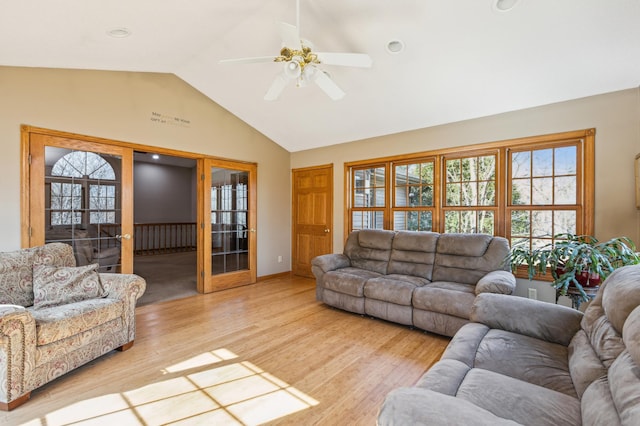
x=279, y=259
x=533, y=293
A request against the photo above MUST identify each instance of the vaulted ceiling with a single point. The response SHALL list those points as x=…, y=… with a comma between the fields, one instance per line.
x=461, y=59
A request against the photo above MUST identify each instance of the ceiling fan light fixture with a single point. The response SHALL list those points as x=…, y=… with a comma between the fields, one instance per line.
x=292, y=69
x=504, y=5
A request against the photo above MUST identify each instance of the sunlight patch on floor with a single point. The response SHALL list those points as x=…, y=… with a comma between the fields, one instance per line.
x=239, y=393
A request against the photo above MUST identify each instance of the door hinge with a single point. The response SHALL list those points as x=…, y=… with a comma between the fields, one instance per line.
x=30, y=232
x=202, y=177
x=202, y=225
x=202, y=274
x=29, y=159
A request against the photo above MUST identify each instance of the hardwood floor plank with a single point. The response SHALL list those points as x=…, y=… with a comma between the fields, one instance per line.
x=265, y=353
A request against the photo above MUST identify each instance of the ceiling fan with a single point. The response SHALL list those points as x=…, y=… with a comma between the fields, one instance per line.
x=301, y=63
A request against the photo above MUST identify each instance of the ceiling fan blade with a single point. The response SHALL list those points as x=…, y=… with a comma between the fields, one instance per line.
x=327, y=85
x=345, y=59
x=257, y=59
x=290, y=36
x=276, y=87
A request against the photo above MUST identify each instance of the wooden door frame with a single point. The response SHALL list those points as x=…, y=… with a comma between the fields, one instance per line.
x=294, y=208
x=25, y=179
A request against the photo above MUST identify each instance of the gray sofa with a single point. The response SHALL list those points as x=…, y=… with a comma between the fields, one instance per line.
x=528, y=362
x=422, y=279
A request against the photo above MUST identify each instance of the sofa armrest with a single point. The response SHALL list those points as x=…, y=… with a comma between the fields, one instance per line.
x=534, y=318
x=502, y=282
x=418, y=406
x=129, y=288
x=17, y=351
x=331, y=262
x=123, y=286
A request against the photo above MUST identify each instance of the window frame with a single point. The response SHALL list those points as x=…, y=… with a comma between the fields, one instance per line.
x=585, y=202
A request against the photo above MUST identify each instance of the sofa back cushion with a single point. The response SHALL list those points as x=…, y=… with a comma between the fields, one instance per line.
x=369, y=249
x=16, y=270
x=16, y=277
x=413, y=253
x=465, y=258
x=605, y=317
x=600, y=342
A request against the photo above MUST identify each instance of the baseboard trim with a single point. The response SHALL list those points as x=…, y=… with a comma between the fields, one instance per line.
x=273, y=276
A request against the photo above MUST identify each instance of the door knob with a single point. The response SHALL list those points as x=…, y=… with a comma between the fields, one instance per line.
x=252, y=230
x=326, y=230
x=125, y=236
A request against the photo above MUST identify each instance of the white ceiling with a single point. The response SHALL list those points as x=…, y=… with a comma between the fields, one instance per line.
x=462, y=59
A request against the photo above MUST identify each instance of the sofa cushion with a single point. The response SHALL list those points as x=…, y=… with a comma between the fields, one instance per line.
x=465, y=258
x=59, y=285
x=522, y=357
x=348, y=280
x=59, y=322
x=445, y=297
x=521, y=401
x=396, y=289
x=16, y=277
x=413, y=253
x=369, y=249
x=504, y=396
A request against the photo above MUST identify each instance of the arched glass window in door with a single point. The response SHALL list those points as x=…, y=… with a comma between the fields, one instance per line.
x=82, y=207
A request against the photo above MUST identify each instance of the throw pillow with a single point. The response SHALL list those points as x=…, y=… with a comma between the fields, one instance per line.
x=60, y=285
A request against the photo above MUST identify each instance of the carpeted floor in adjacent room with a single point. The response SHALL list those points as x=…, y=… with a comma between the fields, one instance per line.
x=168, y=276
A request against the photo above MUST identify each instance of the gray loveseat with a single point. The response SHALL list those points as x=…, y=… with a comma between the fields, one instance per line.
x=422, y=279
x=528, y=362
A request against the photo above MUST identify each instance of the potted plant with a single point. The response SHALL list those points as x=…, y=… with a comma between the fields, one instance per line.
x=575, y=260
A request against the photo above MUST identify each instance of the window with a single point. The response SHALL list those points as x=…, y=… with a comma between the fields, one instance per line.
x=414, y=192
x=544, y=195
x=470, y=188
x=78, y=192
x=527, y=190
x=369, y=197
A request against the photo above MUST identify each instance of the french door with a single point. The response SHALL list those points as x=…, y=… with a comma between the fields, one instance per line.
x=80, y=193
x=227, y=214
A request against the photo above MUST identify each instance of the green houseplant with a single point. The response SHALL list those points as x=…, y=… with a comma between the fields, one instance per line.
x=575, y=260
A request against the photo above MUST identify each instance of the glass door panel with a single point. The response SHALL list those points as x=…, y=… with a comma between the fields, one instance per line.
x=82, y=204
x=229, y=214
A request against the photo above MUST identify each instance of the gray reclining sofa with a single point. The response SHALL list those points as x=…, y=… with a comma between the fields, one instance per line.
x=422, y=279
x=524, y=361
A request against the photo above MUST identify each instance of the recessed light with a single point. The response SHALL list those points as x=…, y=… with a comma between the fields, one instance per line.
x=155, y=156
x=395, y=46
x=504, y=5
x=120, y=32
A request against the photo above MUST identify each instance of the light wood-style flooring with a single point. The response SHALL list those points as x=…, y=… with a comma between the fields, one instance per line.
x=265, y=353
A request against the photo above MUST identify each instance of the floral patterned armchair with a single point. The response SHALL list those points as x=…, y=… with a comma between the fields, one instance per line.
x=55, y=317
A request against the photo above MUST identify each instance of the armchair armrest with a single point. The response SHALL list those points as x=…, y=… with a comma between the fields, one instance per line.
x=17, y=352
x=502, y=282
x=123, y=286
x=126, y=287
x=331, y=262
x=534, y=318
